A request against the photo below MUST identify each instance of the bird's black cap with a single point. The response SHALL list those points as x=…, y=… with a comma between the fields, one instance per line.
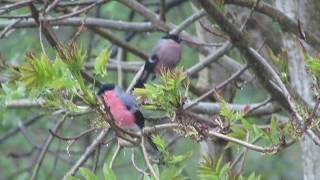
x=174, y=37
x=105, y=87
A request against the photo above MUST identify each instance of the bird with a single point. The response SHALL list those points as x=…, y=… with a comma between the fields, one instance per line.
x=166, y=54
x=124, y=109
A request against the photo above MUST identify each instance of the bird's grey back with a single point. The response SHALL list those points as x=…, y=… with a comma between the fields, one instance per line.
x=129, y=100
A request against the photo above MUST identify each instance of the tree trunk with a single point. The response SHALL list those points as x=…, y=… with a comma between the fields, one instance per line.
x=308, y=13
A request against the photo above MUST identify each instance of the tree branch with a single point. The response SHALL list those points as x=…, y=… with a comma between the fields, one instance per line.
x=287, y=24
x=87, y=153
x=45, y=148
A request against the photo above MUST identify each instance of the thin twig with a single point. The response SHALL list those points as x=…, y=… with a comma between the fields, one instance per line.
x=271, y=149
x=245, y=154
x=86, y=132
x=187, y=22
x=45, y=148
x=77, y=34
x=213, y=32
x=249, y=16
x=203, y=43
x=77, y=12
x=269, y=99
x=115, y=154
x=135, y=165
x=87, y=153
x=209, y=59
x=163, y=10
x=51, y=6
x=146, y=158
x=135, y=79
x=216, y=88
x=25, y=124
x=8, y=8
x=96, y=159
x=5, y=31
x=236, y=160
x=119, y=68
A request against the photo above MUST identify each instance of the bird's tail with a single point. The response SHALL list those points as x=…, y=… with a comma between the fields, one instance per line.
x=147, y=70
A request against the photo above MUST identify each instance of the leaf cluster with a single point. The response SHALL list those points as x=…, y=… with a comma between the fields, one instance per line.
x=281, y=60
x=90, y=175
x=174, y=163
x=60, y=82
x=39, y=73
x=241, y=127
x=216, y=170
x=167, y=95
x=313, y=63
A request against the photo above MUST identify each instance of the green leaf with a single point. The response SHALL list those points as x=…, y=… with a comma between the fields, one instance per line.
x=172, y=173
x=209, y=170
x=73, y=56
x=108, y=173
x=72, y=178
x=253, y=176
x=161, y=144
x=100, y=65
x=39, y=73
x=228, y=113
x=237, y=132
x=146, y=178
x=167, y=95
x=88, y=174
x=178, y=159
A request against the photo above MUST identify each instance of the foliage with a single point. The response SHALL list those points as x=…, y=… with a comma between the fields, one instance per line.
x=90, y=175
x=170, y=159
x=241, y=127
x=220, y=4
x=174, y=163
x=210, y=170
x=101, y=62
x=60, y=81
x=228, y=113
x=167, y=95
x=313, y=63
x=39, y=73
x=281, y=61
x=216, y=170
x=74, y=58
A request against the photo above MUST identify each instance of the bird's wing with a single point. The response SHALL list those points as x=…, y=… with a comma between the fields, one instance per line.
x=130, y=101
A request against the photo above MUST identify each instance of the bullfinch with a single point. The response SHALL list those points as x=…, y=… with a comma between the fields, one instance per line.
x=124, y=108
x=166, y=54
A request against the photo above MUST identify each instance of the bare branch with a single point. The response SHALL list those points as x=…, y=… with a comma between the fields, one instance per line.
x=261, y=67
x=89, y=22
x=45, y=148
x=272, y=149
x=216, y=88
x=146, y=158
x=89, y=150
x=114, y=156
x=187, y=22
x=87, y=8
x=74, y=138
x=8, y=8
x=209, y=59
x=287, y=24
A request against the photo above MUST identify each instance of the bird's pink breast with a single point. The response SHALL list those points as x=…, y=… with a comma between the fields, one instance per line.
x=118, y=109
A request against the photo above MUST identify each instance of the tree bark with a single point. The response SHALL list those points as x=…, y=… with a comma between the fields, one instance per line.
x=307, y=12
